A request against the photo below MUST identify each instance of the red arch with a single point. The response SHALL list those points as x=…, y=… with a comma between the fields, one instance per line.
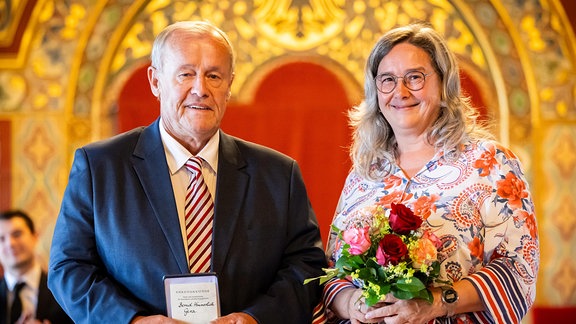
x=299, y=109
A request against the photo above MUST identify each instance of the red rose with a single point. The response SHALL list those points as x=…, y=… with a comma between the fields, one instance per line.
x=402, y=219
x=391, y=250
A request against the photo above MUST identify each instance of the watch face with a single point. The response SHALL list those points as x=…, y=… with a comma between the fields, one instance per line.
x=449, y=295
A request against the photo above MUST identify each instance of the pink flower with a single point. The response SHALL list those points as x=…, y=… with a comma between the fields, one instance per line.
x=358, y=239
x=391, y=250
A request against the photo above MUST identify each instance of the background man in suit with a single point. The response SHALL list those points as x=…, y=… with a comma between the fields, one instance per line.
x=121, y=225
x=18, y=241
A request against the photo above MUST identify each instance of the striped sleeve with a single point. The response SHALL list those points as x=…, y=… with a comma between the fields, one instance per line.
x=502, y=294
x=333, y=287
x=319, y=315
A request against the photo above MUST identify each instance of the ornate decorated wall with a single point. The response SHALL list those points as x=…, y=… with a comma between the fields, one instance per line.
x=63, y=65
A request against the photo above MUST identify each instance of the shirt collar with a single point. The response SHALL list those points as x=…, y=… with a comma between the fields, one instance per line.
x=31, y=278
x=177, y=155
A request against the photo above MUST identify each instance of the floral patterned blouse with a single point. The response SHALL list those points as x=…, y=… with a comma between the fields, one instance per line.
x=480, y=207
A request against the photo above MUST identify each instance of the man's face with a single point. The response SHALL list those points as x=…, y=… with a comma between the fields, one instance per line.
x=17, y=245
x=193, y=86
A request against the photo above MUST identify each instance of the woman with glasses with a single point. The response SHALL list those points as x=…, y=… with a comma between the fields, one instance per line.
x=416, y=142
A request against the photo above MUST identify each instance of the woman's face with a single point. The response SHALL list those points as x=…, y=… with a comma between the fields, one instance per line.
x=409, y=112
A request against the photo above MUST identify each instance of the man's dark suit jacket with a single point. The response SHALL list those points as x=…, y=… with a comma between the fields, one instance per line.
x=47, y=308
x=118, y=233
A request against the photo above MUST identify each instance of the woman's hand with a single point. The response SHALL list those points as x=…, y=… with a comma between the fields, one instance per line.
x=357, y=308
x=349, y=304
x=413, y=311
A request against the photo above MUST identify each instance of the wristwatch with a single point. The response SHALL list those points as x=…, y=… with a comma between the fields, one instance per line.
x=449, y=299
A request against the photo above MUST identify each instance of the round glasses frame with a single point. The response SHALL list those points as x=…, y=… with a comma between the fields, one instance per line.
x=413, y=80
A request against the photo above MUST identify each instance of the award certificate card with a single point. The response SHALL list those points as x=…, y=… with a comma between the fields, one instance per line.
x=192, y=298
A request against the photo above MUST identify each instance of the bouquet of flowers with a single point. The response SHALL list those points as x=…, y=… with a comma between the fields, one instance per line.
x=393, y=254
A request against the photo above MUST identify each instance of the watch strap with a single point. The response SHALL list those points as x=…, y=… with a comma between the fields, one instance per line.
x=449, y=300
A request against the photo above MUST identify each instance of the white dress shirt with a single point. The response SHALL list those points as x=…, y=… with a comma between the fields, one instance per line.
x=177, y=156
x=29, y=293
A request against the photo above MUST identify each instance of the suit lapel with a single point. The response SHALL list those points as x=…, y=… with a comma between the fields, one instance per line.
x=45, y=299
x=3, y=301
x=149, y=160
x=232, y=181
x=150, y=164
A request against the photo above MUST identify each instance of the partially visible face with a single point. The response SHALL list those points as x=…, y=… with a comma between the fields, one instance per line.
x=193, y=86
x=17, y=245
x=409, y=112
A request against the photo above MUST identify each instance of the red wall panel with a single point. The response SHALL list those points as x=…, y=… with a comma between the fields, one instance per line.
x=5, y=165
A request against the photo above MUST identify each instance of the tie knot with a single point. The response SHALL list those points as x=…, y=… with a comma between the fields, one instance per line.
x=19, y=287
x=194, y=165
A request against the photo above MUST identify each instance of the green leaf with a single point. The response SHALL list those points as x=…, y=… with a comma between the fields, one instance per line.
x=345, y=248
x=402, y=294
x=341, y=262
x=422, y=294
x=385, y=288
x=356, y=261
x=330, y=273
x=434, y=271
x=307, y=281
x=372, y=298
x=345, y=263
x=367, y=274
x=372, y=263
x=412, y=285
x=335, y=229
x=382, y=276
x=426, y=295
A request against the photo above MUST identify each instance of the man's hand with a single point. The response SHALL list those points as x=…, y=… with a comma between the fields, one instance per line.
x=235, y=318
x=156, y=319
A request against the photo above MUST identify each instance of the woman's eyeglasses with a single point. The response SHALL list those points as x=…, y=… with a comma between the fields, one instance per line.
x=413, y=80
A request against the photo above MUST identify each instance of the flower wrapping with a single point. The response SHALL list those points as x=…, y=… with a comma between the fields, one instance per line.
x=394, y=254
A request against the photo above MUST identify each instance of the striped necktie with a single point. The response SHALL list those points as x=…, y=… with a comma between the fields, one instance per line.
x=199, y=216
x=16, y=308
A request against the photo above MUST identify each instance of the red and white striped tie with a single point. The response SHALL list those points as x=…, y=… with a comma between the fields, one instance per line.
x=199, y=218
